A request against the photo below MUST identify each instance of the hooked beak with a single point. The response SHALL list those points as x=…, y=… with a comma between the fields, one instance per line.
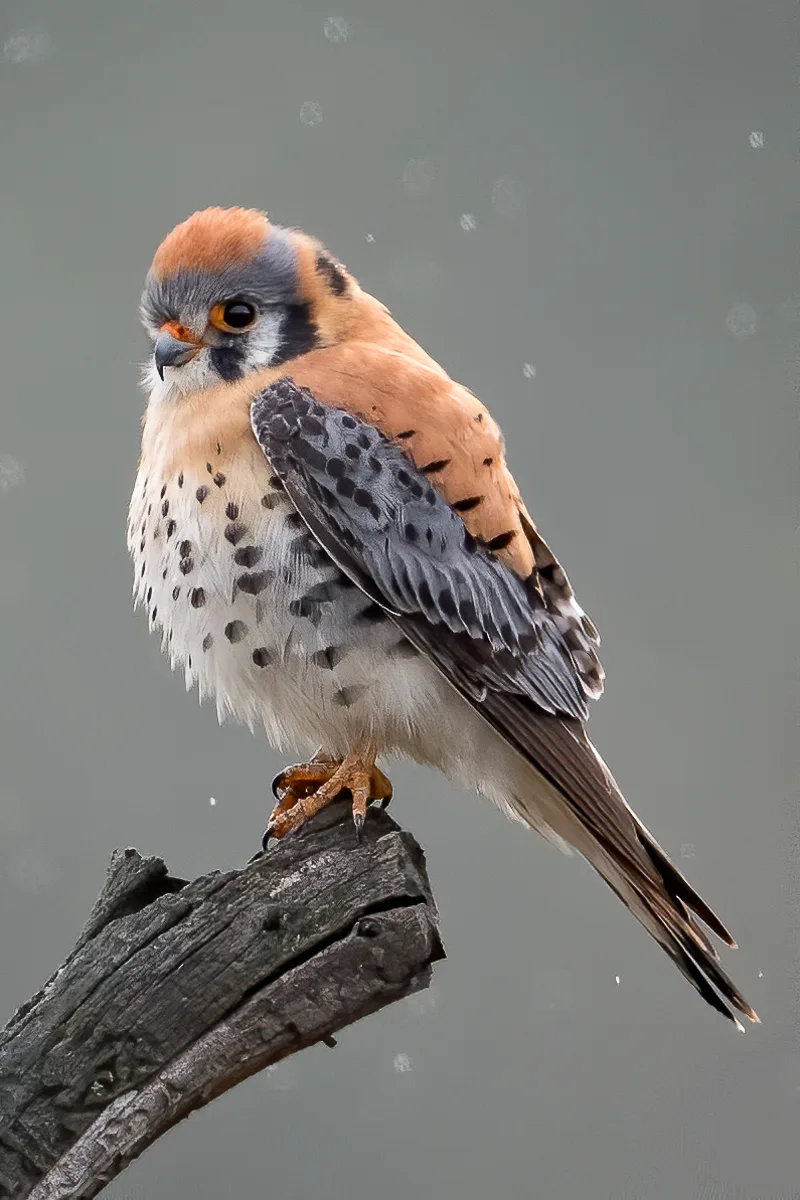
x=172, y=351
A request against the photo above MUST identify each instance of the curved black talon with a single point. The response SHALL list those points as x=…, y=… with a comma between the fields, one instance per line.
x=358, y=821
x=265, y=840
x=276, y=783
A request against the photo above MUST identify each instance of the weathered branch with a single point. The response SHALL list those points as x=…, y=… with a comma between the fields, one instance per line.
x=177, y=991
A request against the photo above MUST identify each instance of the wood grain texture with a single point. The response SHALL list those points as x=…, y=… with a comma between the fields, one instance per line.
x=177, y=991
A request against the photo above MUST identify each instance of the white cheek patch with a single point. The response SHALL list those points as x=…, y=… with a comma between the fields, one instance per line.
x=194, y=376
x=263, y=341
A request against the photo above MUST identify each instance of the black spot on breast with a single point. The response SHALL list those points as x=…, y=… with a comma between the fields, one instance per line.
x=186, y=565
x=345, y=486
x=362, y=498
x=235, y=532
x=165, y=508
x=347, y=696
x=208, y=642
x=254, y=582
x=416, y=490
x=467, y=504
x=438, y=464
x=275, y=482
x=235, y=631
x=180, y=480
x=269, y=501
x=197, y=597
x=352, y=451
x=262, y=657
x=294, y=520
x=371, y=614
x=209, y=468
x=163, y=492
x=306, y=607
x=348, y=422
x=149, y=596
x=171, y=527
x=185, y=549
x=219, y=479
x=201, y=494
x=410, y=532
x=487, y=462
x=430, y=496
x=404, y=649
x=328, y=658
x=332, y=273
x=502, y=540
x=375, y=464
x=231, y=511
x=247, y=556
x=403, y=478
x=176, y=591
x=335, y=468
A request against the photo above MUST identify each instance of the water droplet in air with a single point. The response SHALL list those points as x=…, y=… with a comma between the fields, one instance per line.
x=468, y=222
x=311, y=113
x=418, y=175
x=741, y=320
x=616, y=980
x=760, y=974
x=28, y=46
x=12, y=473
x=528, y=370
x=212, y=801
x=756, y=139
x=335, y=29
x=402, y=1063
x=507, y=197
x=370, y=238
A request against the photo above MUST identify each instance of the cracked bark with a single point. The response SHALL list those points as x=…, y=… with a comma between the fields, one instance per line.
x=176, y=991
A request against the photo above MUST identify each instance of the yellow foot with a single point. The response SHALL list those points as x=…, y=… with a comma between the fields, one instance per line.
x=303, y=790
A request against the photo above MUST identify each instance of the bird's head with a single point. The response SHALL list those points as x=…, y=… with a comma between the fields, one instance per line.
x=229, y=293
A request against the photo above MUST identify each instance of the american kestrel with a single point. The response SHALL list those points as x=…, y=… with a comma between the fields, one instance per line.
x=327, y=536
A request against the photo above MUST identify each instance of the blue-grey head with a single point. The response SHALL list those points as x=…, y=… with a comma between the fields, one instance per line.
x=229, y=293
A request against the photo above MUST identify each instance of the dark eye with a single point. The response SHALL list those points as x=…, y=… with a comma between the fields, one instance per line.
x=234, y=316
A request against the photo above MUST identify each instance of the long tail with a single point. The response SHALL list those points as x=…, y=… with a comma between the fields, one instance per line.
x=594, y=817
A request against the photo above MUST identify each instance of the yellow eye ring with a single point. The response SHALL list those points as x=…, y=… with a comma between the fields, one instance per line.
x=233, y=316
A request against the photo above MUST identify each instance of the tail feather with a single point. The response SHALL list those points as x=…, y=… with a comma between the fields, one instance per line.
x=585, y=808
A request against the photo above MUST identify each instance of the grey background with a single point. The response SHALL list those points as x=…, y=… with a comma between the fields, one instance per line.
x=622, y=218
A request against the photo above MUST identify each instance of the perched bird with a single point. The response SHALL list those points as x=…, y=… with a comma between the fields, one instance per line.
x=326, y=534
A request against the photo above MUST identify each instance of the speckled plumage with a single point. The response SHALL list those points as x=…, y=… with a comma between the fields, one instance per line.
x=326, y=534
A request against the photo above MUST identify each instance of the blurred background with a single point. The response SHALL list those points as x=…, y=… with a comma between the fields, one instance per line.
x=587, y=213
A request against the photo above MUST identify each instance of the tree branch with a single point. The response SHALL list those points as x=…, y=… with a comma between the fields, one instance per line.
x=176, y=991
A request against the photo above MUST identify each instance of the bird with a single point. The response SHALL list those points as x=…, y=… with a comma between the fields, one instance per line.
x=328, y=539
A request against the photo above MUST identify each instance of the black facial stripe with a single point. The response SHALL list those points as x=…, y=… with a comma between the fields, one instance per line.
x=298, y=334
x=229, y=361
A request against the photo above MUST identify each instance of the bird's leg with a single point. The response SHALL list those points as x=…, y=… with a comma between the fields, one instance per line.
x=305, y=789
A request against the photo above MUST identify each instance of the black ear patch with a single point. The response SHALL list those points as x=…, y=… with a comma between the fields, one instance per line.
x=333, y=274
